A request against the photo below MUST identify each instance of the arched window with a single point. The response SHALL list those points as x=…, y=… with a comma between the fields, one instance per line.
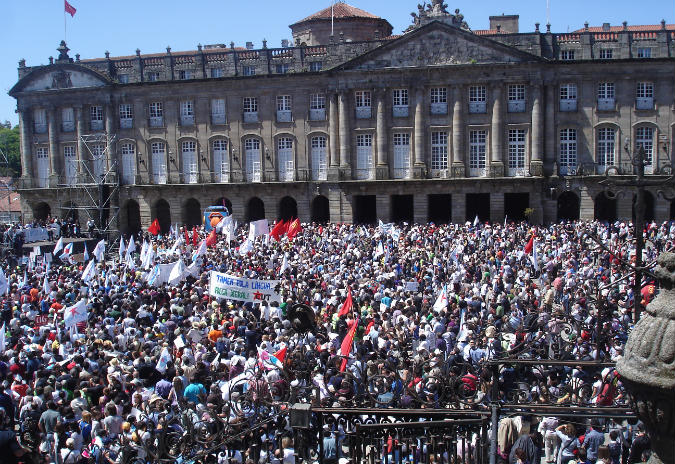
x=319, y=163
x=605, y=150
x=189, y=156
x=252, y=156
x=221, y=161
x=285, y=159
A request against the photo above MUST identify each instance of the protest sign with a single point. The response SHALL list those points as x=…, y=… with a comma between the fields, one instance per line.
x=241, y=289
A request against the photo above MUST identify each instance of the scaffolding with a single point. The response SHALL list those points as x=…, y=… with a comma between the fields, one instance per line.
x=6, y=188
x=92, y=186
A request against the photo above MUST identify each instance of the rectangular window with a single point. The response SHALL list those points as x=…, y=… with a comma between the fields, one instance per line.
x=286, y=172
x=400, y=103
x=568, y=152
x=567, y=55
x=153, y=76
x=516, y=95
x=40, y=121
x=363, y=104
x=218, y=115
x=317, y=107
x=568, y=97
x=477, y=151
x=517, y=152
x=126, y=115
x=250, y=109
x=158, y=151
x=184, y=74
x=123, y=78
x=606, y=53
x=315, y=66
x=67, y=119
x=284, y=113
x=644, y=96
x=128, y=152
x=606, y=96
x=477, y=99
x=221, y=161
x=42, y=155
x=319, y=158
x=99, y=159
x=605, y=148
x=216, y=72
x=364, y=156
x=70, y=164
x=401, y=168
x=644, y=139
x=248, y=71
x=253, y=167
x=644, y=53
x=439, y=100
x=282, y=68
x=156, y=114
x=189, y=158
x=187, y=113
x=96, y=117
x=439, y=151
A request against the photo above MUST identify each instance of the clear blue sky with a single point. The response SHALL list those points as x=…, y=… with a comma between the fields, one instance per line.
x=32, y=29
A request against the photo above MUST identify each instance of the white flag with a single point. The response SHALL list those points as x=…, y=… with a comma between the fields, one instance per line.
x=149, y=257
x=476, y=221
x=46, y=288
x=25, y=279
x=4, y=283
x=85, y=256
x=164, y=360
x=99, y=251
x=442, y=300
x=88, y=271
x=2, y=339
x=122, y=248
x=76, y=313
x=260, y=227
x=245, y=247
x=144, y=250
x=201, y=251
x=284, y=263
x=58, y=247
x=176, y=274
x=535, y=255
x=154, y=273
x=175, y=246
x=37, y=251
x=131, y=248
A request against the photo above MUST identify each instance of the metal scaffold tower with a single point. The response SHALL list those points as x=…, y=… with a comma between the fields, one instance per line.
x=92, y=185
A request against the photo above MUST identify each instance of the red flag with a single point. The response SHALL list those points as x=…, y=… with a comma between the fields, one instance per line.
x=293, y=229
x=530, y=244
x=346, y=347
x=279, y=229
x=320, y=230
x=187, y=236
x=70, y=9
x=347, y=305
x=154, y=227
x=370, y=326
x=195, y=236
x=281, y=354
x=212, y=239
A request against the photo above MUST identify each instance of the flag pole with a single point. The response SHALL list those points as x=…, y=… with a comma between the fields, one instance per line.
x=65, y=39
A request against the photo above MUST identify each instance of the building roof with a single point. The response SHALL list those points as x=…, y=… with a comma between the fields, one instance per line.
x=6, y=205
x=340, y=10
x=636, y=28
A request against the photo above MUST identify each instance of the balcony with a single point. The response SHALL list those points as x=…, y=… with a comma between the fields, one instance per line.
x=478, y=172
x=156, y=121
x=567, y=105
x=40, y=128
x=284, y=116
x=67, y=126
x=218, y=119
x=518, y=172
x=363, y=174
x=97, y=125
x=250, y=116
x=516, y=106
x=401, y=173
x=644, y=103
x=400, y=111
x=287, y=172
x=478, y=107
x=318, y=114
x=320, y=172
x=126, y=123
x=363, y=112
x=187, y=120
x=606, y=104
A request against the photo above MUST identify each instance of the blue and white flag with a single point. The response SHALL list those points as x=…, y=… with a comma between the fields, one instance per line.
x=154, y=273
x=122, y=248
x=85, y=256
x=99, y=251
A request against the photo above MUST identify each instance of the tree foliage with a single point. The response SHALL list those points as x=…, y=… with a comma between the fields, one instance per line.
x=9, y=144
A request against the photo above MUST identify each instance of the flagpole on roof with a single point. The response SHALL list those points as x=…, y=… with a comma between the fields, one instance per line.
x=332, y=4
x=65, y=38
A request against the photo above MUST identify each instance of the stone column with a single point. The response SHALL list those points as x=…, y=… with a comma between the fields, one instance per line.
x=497, y=207
x=333, y=173
x=536, y=163
x=26, y=149
x=419, y=171
x=344, y=135
x=496, y=135
x=550, y=158
x=111, y=160
x=586, y=204
x=82, y=153
x=53, y=148
x=382, y=168
x=458, y=161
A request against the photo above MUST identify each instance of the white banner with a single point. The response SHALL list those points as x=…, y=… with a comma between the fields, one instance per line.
x=237, y=288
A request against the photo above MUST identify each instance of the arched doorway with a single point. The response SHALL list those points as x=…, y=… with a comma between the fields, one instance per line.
x=288, y=209
x=255, y=209
x=192, y=213
x=320, y=209
x=133, y=212
x=222, y=201
x=605, y=208
x=648, y=211
x=478, y=204
x=365, y=209
x=163, y=215
x=402, y=209
x=515, y=205
x=568, y=206
x=41, y=211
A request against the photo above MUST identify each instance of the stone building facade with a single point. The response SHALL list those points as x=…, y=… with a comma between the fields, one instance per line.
x=441, y=123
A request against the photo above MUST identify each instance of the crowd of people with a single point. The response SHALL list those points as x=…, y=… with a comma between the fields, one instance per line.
x=404, y=316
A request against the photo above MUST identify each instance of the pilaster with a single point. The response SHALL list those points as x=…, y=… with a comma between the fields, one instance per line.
x=382, y=166
x=497, y=207
x=26, y=148
x=333, y=171
x=496, y=135
x=383, y=207
x=420, y=208
x=536, y=162
x=458, y=162
x=54, y=151
x=419, y=168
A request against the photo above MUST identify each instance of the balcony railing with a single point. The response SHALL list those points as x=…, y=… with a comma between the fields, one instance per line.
x=96, y=125
x=363, y=112
x=478, y=107
x=568, y=104
x=284, y=116
x=516, y=106
x=645, y=103
x=439, y=108
x=156, y=121
x=400, y=111
x=250, y=116
x=126, y=123
x=318, y=114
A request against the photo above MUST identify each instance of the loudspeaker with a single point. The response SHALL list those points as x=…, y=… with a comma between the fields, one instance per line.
x=300, y=415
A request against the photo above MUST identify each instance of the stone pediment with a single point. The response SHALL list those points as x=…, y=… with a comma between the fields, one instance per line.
x=59, y=77
x=437, y=44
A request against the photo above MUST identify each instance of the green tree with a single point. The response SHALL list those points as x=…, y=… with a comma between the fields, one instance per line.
x=9, y=144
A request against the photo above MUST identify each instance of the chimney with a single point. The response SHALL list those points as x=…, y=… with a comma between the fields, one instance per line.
x=249, y=45
x=508, y=23
x=606, y=27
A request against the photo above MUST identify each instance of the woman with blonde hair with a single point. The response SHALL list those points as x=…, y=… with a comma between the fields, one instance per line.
x=568, y=443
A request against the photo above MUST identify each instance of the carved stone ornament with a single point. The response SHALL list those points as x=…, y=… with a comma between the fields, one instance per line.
x=61, y=80
x=648, y=367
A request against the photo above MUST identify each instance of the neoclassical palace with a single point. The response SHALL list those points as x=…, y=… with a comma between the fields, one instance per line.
x=350, y=123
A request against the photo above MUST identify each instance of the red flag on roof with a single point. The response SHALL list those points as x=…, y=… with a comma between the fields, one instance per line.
x=347, y=305
x=154, y=227
x=279, y=229
x=293, y=229
x=70, y=9
x=346, y=347
x=195, y=236
x=212, y=239
x=530, y=244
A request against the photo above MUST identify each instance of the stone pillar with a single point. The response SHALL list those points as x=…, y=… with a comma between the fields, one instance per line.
x=82, y=153
x=421, y=208
x=382, y=168
x=458, y=161
x=496, y=135
x=497, y=207
x=586, y=205
x=335, y=205
x=344, y=135
x=26, y=148
x=383, y=207
x=419, y=171
x=304, y=207
x=112, y=160
x=458, y=208
x=536, y=162
x=333, y=172
x=550, y=163
x=53, y=148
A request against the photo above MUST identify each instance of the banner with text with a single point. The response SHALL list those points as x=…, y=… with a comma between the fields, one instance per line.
x=238, y=288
